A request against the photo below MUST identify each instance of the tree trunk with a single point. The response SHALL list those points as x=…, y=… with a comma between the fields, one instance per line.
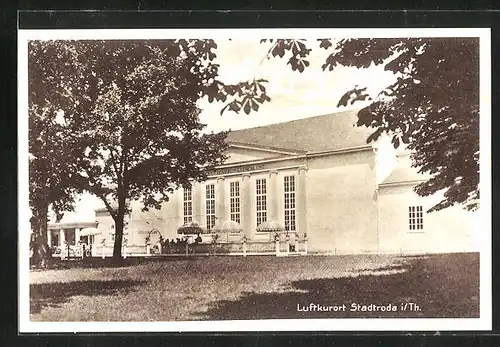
x=119, y=224
x=117, y=247
x=41, y=250
x=44, y=220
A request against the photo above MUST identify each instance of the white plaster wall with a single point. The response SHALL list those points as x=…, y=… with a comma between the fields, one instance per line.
x=386, y=159
x=341, y=203
x=105, y=223
x=166, y=220
x=444, y=231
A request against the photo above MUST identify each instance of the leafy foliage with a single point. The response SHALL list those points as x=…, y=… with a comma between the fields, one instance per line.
x=432, y=108
x=51, y=168
x=130, y=122
x=119, y=118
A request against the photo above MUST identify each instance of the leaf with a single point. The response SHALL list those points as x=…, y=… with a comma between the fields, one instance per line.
x=255, y=106
x=395, y=141
x=375, y=135
x=224, y=108
x=325, y=43
x=300, y=66
x=235, y=106
x=278, y=50
x=247, y=107
x=353, y=95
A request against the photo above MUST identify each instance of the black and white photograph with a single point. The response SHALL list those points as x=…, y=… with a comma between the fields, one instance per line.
x=254, y=180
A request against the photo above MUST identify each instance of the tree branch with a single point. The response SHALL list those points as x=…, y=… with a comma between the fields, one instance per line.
x=97, y=190
x=113, y=164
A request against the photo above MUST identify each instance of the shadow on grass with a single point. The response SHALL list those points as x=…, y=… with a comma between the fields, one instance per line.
x=58, y=264
x=440, y=285
x=54, y=294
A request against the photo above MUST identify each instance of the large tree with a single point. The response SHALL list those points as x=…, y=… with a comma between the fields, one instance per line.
x=432, y=108
x=129, y=116
x=51, y=165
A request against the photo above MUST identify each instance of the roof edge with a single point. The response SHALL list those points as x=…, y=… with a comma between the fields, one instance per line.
x=281, y=150
x=353, y=110
x=339, y=151
x=69, y=225
x=401, y=183
x=297, y=156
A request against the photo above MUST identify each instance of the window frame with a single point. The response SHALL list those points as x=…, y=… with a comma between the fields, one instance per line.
x=290, y=203
x=260, y=200
x=187, y=201
x=235, y=201
x=415, y=219
x=210, y=206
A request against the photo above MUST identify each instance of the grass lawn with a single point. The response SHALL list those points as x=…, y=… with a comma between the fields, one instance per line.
x=219, y=287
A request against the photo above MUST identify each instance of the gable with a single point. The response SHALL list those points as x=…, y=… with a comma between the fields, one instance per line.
x=242, y=154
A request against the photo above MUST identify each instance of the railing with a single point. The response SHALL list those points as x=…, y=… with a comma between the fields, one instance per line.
x=218, y=248
x=279, y=244
x=71, y=251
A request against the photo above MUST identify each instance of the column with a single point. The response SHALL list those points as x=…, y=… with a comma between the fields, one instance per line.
x=301, y=209
x=77, y=236
x=198, y=213
x=49, y=237
x=272, y=196
x=92, y=244
x=62, y=243
x=220, y=201
x=246, y=206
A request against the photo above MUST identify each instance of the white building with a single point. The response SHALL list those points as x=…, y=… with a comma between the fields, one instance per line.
x=318, y=180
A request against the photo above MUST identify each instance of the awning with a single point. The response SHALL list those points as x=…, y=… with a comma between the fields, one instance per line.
x=89, y=231
x=190, y=229
x=270, y=225
x=228, y=226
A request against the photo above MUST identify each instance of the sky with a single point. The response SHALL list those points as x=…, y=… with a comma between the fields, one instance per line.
x=294, y=95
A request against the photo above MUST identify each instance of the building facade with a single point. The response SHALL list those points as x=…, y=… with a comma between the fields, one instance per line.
x=67, y=238
x=314, y=179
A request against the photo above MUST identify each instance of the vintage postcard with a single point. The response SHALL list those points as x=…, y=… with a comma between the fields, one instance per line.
x=254, y=180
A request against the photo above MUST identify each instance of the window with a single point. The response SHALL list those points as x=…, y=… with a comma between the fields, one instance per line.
x=234, y=201
x=188, y=206
x=112, y=236
x=261, y=200
x=416, y=218
x=210, y=205
x=289, y=202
